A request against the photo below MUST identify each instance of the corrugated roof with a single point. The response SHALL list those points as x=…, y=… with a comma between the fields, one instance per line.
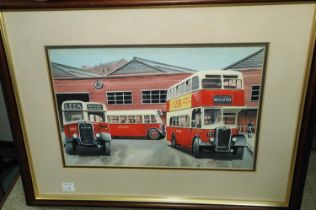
x=64, y=71
x=254, y=60
x=144, y=66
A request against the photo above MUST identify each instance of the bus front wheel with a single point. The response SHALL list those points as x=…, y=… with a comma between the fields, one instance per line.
x=173, y=141
x=70, y=148
x=240, y=152
x=153, y=134
x=196, y=148
x=107, y=148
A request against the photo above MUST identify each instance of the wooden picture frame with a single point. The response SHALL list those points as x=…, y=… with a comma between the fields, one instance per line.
x=298, y=106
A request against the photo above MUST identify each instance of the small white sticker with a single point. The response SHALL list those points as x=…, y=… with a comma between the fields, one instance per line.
x=68, y=186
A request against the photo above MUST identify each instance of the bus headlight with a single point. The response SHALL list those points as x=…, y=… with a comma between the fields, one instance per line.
x=97, y=135
x=234, y=139
x=74, y=136
x=212, y=139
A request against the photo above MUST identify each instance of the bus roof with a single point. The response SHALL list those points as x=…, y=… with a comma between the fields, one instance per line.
x=134, y=112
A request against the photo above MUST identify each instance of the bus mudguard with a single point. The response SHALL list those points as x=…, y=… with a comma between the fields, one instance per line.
x=241, y=140
x=106, y=137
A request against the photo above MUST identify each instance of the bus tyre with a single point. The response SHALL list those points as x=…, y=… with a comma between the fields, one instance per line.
x=153, y=134
x=70, y=148
x=173, y=141
x=240, y=152
x=107, y=148
x=196, y=148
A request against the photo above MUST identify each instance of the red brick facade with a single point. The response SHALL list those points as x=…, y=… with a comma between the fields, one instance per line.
x=252, y=77
x=134, y=84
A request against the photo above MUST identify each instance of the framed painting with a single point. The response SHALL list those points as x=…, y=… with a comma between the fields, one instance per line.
x=158, y=104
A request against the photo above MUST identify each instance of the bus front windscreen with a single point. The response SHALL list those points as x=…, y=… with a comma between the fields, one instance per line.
x=96, y=116
x=71, y=116
x=212, y=116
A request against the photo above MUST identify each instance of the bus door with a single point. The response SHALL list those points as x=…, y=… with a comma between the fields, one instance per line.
x=147, y=123
x=196, y=124
x=184, y=130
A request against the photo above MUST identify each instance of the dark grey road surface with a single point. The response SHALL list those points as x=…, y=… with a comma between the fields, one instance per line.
x=155, y=153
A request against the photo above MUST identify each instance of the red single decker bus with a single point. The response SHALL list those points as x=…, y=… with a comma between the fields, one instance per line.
x=143, y=124
x=85, y=125
x=202, y=113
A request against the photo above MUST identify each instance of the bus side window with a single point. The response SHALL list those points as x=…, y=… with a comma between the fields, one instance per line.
x=187, y=120
x=113, y=119
x=177, y=90
x=184, y=121
x=195, y=83
x=196, y=118
x=130, y=119
x=109, y=119
x=153, y=119
x=188, y=86
x=138, y=119
x=182, y=88
x=146, y=118
x=122, y=119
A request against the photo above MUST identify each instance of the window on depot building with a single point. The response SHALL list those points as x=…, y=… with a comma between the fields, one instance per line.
x=119, y=97
x=255, y=93
x=154, y=96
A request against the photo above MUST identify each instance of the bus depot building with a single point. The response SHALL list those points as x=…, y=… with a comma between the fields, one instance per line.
x=142, y=84
x=138, y=85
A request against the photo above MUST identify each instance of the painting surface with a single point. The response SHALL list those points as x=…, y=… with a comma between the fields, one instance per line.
x=194, y=106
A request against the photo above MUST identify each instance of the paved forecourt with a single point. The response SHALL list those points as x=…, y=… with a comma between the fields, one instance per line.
x=136, y=152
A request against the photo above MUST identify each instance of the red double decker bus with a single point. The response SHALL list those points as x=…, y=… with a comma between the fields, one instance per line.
x=202, y=113
x=143, y=124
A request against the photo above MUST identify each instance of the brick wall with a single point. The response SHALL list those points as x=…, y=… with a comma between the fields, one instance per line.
x=252, y=77
x=134, y=84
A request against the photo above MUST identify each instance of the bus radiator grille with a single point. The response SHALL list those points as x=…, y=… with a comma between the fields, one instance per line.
x=223, y=138
x=86, y=133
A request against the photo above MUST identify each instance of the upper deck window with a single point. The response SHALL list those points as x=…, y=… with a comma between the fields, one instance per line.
x=212, y=81
x=232, y=81
x=188, y=85
x=195, y=83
